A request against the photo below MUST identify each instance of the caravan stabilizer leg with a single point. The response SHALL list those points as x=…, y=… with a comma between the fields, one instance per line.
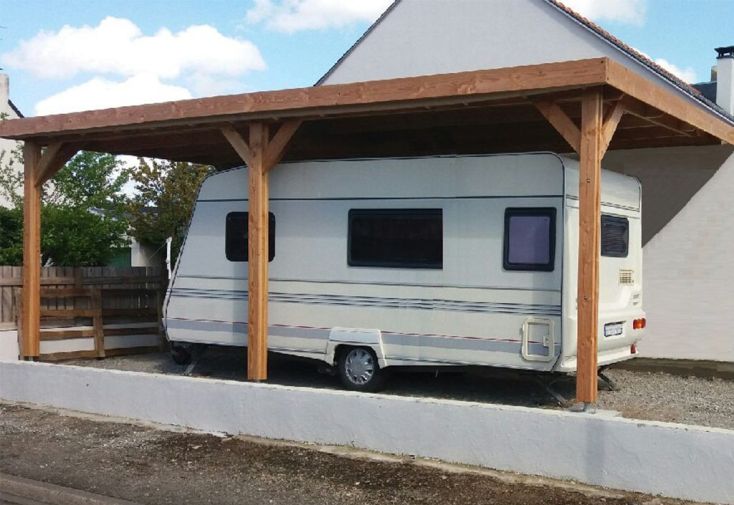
x=610, y=384
x=547, y=385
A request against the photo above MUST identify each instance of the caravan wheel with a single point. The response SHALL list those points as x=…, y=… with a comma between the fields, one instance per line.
x=358, y=369
x=180, y=354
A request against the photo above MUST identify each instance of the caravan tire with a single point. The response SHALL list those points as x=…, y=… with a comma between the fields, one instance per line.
x=359, y=370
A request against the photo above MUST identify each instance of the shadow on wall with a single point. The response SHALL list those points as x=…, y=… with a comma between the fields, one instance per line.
x=669, y=176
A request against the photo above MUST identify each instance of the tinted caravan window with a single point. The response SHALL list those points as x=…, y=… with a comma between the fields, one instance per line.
x=615, y=236
x=396, y=238
x=530, y=239
x=235, y=237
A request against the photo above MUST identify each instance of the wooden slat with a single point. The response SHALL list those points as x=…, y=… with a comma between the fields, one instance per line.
x=67, y=313
x=66, y=292
x=589, y=246
x=561, y=122
x=66, y=334
x=145, y=311
x=462, y=87
x=31, y=252
x=98, y=324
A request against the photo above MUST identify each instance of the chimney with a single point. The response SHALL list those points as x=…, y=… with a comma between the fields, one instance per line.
x=4, y=91
x=725, y=78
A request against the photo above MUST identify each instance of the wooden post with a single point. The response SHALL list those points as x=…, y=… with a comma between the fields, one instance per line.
x=590, y=153
x=261, y=153
x=31, y=309
x=257, y=256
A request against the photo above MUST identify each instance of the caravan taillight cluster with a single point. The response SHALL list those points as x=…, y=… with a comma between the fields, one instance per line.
x=639, y=324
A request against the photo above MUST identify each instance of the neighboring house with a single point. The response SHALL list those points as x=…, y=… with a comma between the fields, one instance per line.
x=8, y=111
x=687, y=211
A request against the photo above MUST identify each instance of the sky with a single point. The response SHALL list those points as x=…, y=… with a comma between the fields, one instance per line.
x=67, y=55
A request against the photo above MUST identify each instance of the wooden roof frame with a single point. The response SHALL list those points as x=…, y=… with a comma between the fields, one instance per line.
x=403, y=94
x=585, y=102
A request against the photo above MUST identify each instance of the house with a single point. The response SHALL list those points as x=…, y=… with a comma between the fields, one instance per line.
x=687, y=235
x=8, y=110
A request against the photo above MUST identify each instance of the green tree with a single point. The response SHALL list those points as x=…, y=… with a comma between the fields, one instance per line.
x=165, y=194
x=83, y=219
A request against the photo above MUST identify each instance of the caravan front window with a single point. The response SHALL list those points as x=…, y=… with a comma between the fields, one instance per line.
x=235, y=236
x=396, y=238
x=530, y=239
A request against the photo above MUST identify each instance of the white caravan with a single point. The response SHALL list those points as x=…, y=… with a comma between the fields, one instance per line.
x=440, y=261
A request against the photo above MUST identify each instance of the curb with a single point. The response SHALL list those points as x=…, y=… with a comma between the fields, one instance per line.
x=21, y=490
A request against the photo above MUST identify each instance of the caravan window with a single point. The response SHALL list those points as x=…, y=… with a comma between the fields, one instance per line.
x=235, y=236
x=530, y=239
x=396, y=238
x=615, y=236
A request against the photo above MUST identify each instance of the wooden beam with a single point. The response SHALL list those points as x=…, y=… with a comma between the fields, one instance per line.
x=31, y=306
x=611, y=122
x=238, y=144
x=280, y=141
x=658, y=118
x=666, y=100
x=561, y=122
x=589, y=246
x=54, y=157
x=257, y=252
x=312, y=102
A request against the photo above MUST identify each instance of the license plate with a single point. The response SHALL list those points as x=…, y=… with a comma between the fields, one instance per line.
x=613, y=329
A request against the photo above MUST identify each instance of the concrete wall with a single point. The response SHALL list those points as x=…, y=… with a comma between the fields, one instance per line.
x=687, y=462
x=688, y=231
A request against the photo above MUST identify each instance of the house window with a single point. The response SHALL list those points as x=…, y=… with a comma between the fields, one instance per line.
x=396, y=238
x=615, y=236
x=235, y=238
x=530, y=239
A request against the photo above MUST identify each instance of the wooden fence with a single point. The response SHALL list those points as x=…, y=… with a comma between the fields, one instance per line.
x=90, y=311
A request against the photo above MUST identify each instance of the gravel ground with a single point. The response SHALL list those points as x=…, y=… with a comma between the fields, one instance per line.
x=641, y=395
x=151, y=466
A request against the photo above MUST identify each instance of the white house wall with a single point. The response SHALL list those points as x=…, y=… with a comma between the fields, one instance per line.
x=6, y=146
x=688, y=276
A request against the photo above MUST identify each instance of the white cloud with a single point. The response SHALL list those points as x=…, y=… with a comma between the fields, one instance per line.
x=623, y=11
x=295, y=15
x=688, y=74
x=99, y=93
x=117, y=46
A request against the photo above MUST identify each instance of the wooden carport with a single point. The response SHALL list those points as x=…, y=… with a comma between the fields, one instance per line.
x=585, y=106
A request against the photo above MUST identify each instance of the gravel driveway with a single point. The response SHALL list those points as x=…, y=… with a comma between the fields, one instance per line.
x=640, y=395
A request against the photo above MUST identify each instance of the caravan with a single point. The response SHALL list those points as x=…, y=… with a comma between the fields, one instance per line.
x=440, y=261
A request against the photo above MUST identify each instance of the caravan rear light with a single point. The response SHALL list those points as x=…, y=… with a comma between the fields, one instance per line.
x=633, y=349
x=639, y=324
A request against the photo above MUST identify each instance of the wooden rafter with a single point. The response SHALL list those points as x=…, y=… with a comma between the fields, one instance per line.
x=279, y=142
x=53, y=158
x=561, y=122
x=611, y=122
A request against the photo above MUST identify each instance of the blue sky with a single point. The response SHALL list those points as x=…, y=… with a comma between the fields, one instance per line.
x=265, y=44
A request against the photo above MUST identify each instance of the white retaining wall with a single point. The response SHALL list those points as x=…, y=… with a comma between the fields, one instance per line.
x=687, y=462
